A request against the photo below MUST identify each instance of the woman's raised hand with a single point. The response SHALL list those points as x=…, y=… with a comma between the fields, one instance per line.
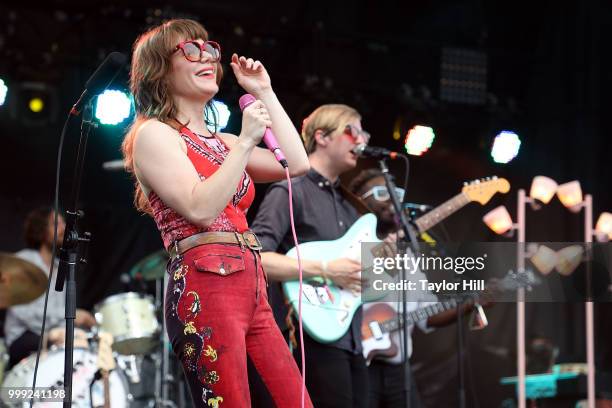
x=251, y=75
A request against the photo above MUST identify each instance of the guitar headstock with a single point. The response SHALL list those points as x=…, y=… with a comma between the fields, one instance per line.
x=481, y=190
x=106, y=362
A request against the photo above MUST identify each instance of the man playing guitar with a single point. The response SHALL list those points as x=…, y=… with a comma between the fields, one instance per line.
x=386, y=371
x=336, y=374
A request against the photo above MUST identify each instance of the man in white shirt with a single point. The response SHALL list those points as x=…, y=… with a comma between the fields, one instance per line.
x=23, y=322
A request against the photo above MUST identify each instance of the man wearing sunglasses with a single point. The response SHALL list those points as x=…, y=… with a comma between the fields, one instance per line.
x=370, y=186
x=386, y=374
x=336, y=374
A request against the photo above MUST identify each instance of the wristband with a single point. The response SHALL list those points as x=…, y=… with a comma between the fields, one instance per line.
x=324, y=269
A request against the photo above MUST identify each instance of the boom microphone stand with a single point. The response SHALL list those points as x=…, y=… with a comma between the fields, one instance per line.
x=71, y=253
x=74, y=243
x=410, y=238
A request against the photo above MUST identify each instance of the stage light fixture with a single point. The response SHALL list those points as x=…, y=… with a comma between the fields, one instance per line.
x=565, y=261
x=570, y=195
x=505, y=146
x=463, y=76
x=419, y=139
x=544, y=259
x=222, y=113
x=36, y=104
x=603, y=228
x=112, y=107
x=498, y=220
x=396, y=128
x=568, y=259
x=543, y=189
x=3, y=92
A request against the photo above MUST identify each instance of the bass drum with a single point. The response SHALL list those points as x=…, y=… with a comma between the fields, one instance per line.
x=86, y=392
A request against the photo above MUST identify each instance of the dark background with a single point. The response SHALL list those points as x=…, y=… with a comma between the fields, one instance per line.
x=548, y=79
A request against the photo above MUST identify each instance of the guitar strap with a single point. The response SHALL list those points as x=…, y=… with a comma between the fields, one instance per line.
x=290, y=325
x=355, y=201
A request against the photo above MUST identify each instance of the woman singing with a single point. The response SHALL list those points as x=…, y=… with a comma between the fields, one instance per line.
x=198, y=186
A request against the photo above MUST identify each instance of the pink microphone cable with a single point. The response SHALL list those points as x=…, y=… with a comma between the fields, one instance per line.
x=272, y=144
x=299, y=259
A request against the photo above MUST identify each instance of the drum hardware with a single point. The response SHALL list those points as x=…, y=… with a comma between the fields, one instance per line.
x=86, y=390
x=130, y=318
x=152, y=267
x=131, y=367
x=141, y=343
x=162, y=372
x=20, y=281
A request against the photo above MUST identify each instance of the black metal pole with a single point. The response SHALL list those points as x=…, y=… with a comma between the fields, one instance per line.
x=409, y=237
x=69, y=336
x=460, y=353
x=70, y=254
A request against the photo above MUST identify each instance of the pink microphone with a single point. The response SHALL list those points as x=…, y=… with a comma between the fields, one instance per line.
x=268, y=138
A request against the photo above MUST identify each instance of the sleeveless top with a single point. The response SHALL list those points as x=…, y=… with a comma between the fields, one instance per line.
x=206, y=154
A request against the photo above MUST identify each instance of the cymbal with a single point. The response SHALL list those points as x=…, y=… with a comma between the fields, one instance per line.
x=20, y=281
x=152, y=266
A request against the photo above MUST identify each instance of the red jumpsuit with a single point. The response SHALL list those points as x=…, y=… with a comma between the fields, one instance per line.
x=213, y=320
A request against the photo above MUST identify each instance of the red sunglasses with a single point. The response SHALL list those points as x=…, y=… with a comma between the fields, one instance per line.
x=194, y=51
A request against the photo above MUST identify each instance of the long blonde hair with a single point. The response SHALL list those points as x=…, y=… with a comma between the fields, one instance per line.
x=151, y=64
x=326, y=118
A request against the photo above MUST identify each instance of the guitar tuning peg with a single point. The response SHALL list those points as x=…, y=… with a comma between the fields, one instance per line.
x=465, y=183
x=494, y=177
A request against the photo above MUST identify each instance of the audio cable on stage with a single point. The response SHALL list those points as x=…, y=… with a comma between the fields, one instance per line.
x=300, y=272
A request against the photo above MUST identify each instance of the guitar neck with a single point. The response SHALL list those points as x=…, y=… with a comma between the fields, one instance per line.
x=432, y=218
x=106, y=388
x=417, y=315
x=441, y=212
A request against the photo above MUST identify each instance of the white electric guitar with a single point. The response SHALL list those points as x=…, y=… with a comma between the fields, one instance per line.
x=327, y=310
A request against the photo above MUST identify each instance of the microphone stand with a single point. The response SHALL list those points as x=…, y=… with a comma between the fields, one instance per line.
x=460, y=353
x=71, y=252
x=410, y=238
x=402, y=247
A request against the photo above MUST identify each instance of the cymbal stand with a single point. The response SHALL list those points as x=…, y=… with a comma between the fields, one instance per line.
x=163, y=375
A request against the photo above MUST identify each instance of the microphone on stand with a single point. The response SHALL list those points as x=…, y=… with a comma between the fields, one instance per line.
x=363, y=150
x=100, y=79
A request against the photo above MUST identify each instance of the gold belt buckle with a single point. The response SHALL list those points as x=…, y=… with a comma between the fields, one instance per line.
x=251, y=240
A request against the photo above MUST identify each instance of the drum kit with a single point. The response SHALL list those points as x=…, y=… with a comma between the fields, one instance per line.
x=146, y=374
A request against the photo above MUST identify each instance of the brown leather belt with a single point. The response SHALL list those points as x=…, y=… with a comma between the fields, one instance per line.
x=246, y=239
